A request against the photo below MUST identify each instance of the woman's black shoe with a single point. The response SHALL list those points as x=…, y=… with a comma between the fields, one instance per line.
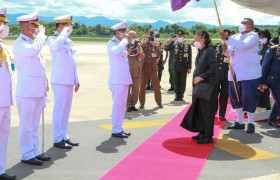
x=205, y=140
x=197, y=137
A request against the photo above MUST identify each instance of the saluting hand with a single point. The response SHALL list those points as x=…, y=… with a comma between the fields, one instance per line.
x=42, y=29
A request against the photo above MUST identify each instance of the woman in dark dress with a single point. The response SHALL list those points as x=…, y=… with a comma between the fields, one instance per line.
x=265, y=38
x=201, y=114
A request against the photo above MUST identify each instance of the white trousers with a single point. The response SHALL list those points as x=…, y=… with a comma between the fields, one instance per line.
x=30, y=111
x=119, y=95
x=5, y=122
x=63, y=95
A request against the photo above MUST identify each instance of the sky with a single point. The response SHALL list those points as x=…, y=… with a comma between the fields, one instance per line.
x=142, y=10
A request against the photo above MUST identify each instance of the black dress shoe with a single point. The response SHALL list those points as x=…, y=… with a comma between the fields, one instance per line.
x=62, y=145
x=69, y=142
x=222, y=118
x=148, y=88
x=205, y=140
x=141, y=106
x=6, y=176
x=33, y=161
x=171, y=89
x=274, y=124
x=160, y=105
x=197, y=137
x=43, y=158
x=236, y=125
x=128, y=109
x=119, y=135
x=181, y=99
x=128, y=134
x=133, y=108
x=176, y=99
x=250, y=128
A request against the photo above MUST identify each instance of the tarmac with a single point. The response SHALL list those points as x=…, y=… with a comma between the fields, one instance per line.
x=98, y=152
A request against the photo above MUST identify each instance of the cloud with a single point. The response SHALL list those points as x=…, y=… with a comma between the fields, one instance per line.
x=142, y=10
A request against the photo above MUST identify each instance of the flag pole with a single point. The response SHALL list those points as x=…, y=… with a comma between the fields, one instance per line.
x=227, y=54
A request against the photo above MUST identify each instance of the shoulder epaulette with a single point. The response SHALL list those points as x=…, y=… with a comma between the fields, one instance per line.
x=113, y=40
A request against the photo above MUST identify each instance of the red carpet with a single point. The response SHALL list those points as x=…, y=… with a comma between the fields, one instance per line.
x=167, y=154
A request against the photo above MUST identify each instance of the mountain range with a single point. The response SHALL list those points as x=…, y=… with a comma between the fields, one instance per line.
x=110, y=22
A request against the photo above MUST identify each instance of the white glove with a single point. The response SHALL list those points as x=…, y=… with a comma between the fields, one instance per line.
x=67, y=31
x=42, y=29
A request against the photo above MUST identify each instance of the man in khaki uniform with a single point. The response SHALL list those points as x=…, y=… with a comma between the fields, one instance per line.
x=135, y=57
x=150, y=70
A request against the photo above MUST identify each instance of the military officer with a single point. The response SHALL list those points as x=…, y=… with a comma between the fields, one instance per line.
x=31, y=86
x=161, y=62
x=6, y=99
x=182, y=63
x=64, y=80
x=119, y=77
x=271, y=78
x=170, y=54
x=223, y=79
x=135, y=57
x=150, y=70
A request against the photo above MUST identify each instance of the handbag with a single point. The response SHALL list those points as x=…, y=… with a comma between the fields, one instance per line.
x=203, y=91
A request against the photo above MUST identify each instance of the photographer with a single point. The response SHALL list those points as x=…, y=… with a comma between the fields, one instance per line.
x=135, y=57
x=150, y=69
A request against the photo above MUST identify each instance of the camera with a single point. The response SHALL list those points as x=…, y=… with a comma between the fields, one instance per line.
x=134, y=48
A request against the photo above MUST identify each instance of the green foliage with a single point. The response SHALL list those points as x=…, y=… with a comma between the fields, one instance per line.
x=102, y=33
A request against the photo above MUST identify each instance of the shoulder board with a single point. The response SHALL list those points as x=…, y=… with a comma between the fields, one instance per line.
x=113, y=40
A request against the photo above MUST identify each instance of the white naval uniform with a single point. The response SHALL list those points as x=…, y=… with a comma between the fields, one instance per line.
x=119, y=80
x=5, y=107
x=64, y=78
x=30, y=92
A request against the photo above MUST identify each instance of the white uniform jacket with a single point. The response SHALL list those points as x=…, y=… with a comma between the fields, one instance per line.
x=6, y=98
x=31, y=81
x=64, y=70
x=119, y=65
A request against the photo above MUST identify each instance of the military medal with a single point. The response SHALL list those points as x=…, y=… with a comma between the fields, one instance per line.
x=278, y=52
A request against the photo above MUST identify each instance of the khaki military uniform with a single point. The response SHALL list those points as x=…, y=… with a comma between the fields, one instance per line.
x=150, y=70
x=135, y=66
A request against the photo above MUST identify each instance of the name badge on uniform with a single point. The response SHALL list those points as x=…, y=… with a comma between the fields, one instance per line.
x=13, y=66
x=154, y=55
x=186, y=55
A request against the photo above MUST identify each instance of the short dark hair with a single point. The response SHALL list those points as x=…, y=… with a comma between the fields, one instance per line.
x=204, y=35
x=229, y=32
x=265, y=33
x=249, y=19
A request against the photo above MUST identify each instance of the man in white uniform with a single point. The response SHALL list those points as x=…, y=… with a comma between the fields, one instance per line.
x=64, y=80
x=31, y=86
x=243, y=50
x=119, y=77
x=6, y=99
